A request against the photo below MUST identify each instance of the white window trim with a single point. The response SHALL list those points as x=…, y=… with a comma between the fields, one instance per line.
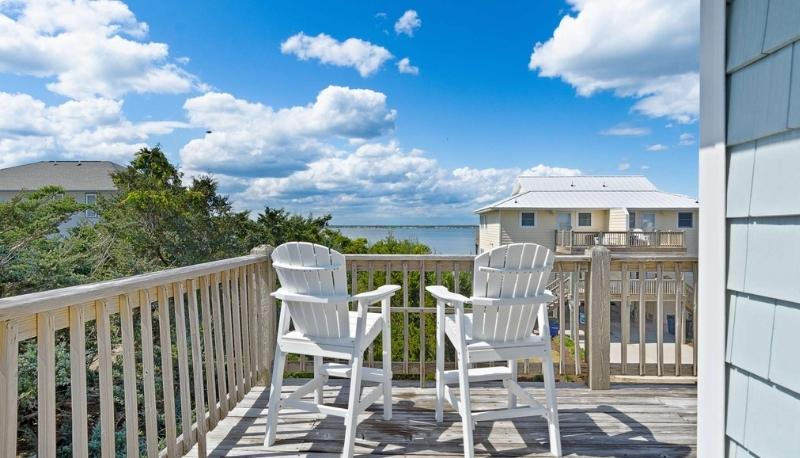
x=579, y=219
x=678, y=223
x=535, y=217
x=89, y=212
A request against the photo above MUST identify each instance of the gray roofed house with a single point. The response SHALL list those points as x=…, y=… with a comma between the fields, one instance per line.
x=82, y=180
x=570, y=214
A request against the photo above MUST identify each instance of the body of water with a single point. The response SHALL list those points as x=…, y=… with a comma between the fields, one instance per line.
x=440, y=239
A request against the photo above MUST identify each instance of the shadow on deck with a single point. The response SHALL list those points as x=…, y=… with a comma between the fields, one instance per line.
x=628, y=420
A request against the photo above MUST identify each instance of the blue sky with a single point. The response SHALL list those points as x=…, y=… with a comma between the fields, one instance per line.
x=317, y=124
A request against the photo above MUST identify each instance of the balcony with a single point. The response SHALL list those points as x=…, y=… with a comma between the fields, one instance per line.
x=569, y=242
x=220, y=322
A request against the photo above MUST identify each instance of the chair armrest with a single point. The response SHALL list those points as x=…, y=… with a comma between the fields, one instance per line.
x=441, y=293
x=377, y=295
x=296, y=297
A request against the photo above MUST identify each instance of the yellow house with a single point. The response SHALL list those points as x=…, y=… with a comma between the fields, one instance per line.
x=570, y=214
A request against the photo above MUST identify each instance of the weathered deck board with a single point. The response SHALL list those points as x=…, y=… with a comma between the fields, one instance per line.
x=628, y=420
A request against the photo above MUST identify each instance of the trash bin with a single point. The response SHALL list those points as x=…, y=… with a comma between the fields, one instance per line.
x=554, y=327
x=671, y=324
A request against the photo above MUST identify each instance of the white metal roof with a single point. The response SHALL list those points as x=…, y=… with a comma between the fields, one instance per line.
x=70, y=175
x=634, y=192
x=582, y=183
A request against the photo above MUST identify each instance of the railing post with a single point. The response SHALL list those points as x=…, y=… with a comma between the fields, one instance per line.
x=598, y=316
x=267, y=338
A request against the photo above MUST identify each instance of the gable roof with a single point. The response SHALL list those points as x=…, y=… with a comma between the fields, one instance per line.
x=70, y=175
x=596, y=192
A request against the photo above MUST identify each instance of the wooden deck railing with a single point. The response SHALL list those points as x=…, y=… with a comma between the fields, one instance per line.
x=226, y=305
x=621, y=240
x=218, y=322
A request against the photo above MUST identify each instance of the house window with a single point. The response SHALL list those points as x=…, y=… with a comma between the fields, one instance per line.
x=91, y=199
x=584, y=219
x=528, y=219
x=685, y=220
x=483, y=221
x=564, y=221
x=631, y=220
x=648, y=221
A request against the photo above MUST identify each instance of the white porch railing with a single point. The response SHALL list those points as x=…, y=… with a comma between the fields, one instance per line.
x=621, y=240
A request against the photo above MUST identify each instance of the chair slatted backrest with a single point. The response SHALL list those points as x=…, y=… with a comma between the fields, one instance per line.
x=515, y=271
x=314, y=270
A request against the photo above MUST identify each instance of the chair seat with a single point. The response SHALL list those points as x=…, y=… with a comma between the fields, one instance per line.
x=532, y=341
x=297, y=342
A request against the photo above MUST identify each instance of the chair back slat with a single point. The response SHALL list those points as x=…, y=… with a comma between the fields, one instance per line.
x=325, y=277
x=513, y=271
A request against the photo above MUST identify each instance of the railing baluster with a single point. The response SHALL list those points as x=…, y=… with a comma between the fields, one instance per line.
x=46, y=380
x=148, y=373
x=421, y=323
x=370, y=284
x=9, y=391
x=642, y=317
x=107, y=429
x=625, y=318
x=197, y=369
x=678, y=329
x=129, y=377
x=77, y=362
x=576, y=325
x=219, y=349
x=230, y=355
x=405, y=317
x=244, y=310
x=237, y=334
x=183, y=365
x=166, y=371
x=660, y=318
x=694, y=319
x=208, y=350
x=562, y=346
x=254, y=315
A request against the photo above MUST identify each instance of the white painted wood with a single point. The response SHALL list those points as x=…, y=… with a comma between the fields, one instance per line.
x=237, y=334
x=315, y=301
x=197, y=368
x=178, y=290
x=712, y=231
x=230, y=355
x=46, y=379
x=105, y=357
x=508, y=301
x=165, y=341
x=77, y=362
x=244, y=310
x=129, y=376
x=219, y=346
x=148, y=374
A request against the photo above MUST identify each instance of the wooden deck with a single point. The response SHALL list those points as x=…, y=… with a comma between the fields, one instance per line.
x=628, y=420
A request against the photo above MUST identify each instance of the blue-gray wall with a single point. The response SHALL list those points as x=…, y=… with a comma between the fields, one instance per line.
x=763, y=211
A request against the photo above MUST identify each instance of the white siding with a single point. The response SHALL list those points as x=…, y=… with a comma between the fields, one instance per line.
x=618, y=219
x=489, y=234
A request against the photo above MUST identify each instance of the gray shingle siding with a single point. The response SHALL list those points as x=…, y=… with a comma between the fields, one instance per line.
x=763, y=210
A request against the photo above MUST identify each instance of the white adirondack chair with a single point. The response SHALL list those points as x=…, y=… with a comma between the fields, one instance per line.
x=313, y=289
x=509, y=298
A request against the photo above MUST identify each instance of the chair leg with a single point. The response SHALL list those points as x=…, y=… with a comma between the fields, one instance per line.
x=387, y=370
x=512, y=398
x=439, y=363
x=466, y=411
x=552, y=406
x=274, y=397
x=351, y=419
x=318, y=393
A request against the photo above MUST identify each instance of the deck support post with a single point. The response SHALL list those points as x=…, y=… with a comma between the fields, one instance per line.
x=269, y=313
x=598, y=315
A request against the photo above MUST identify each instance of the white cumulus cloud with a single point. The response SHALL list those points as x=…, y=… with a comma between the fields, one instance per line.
x=248, y=138
x=657, y=147
x=686, y=139
x=362, y=55
x=624, y=130
x=404, y=66
x=92, y=128
x=643, y=49
x=623, y=166
x=408, y=23
x=542, y=170
x=87, y=49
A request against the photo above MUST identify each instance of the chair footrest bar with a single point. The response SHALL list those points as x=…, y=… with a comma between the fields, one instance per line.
x=509, y=413
x=313, y=408
x=371, y=395
x=451, y=398
x=307, y=388
x=370, y=374
x=479, y=374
